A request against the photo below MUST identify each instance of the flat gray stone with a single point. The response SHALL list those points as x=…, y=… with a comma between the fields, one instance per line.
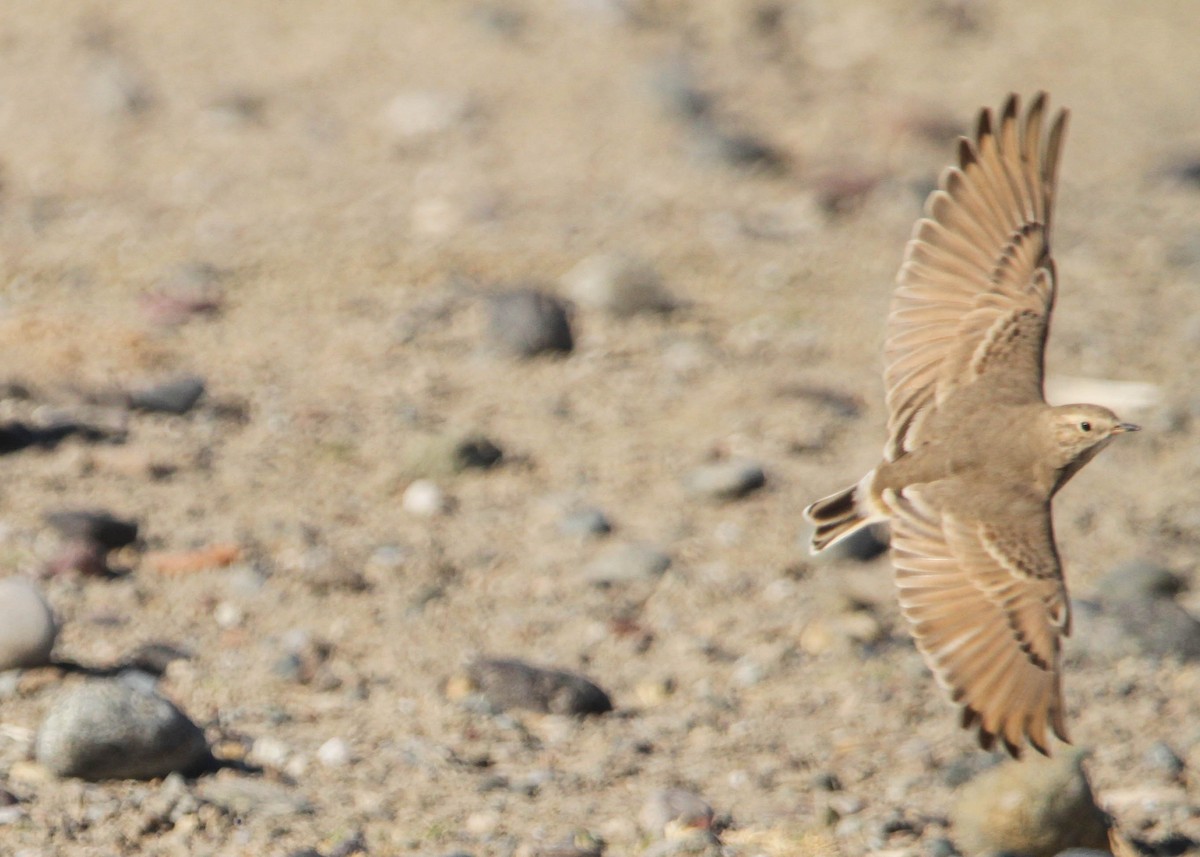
x=725, y=480
x=173, y=396
x=509, y=684
x=527, y=322
x=626, y=563
x=118, y=729
x=27, y=625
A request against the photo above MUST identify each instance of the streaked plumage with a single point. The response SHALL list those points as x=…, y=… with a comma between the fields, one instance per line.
x=974, y=454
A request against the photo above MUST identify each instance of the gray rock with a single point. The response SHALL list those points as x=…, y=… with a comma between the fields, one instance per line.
x=515, y=684
x=27, y=625
x=1140, y=596
x=118, y=729
x=713, y=141
x=725, y=480
x=617, y=284
x=1140, y=579
x=527, y=322
x=626, y=563
x=587, y=521
x=174, y=396
x=1162, y=757
x=95, y=525
x=1035, y=807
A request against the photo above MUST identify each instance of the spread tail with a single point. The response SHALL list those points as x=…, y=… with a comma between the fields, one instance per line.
x=838, y=515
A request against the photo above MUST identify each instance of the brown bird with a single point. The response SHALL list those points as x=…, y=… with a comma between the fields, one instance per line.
x=974, y=454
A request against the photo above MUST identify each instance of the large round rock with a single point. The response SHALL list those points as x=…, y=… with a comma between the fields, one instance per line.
x=118, y=729
x=27, y=626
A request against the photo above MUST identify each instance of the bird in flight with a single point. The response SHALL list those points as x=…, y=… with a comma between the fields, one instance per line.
x=974, y=454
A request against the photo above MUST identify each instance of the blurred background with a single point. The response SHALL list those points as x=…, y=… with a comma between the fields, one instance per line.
x=261, y=273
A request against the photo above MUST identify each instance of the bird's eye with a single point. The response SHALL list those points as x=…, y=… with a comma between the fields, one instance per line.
x=1085, y=426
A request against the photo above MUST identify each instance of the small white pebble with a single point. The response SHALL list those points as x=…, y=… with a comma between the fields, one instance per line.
x=423, y=497
x=297, y=766
x=270, y=752
x=482, y=823
x=334, y=753
x=228, y=615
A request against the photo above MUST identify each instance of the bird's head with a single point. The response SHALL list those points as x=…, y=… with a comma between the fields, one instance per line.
x=1081, y=431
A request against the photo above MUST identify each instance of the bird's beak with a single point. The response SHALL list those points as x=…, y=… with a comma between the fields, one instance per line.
x=1124, y=427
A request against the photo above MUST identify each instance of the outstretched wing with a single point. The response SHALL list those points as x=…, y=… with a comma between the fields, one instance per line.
x=988, y=608
x=976, y=288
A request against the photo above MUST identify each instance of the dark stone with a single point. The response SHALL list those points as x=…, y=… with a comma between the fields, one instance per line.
x=527, y=322
x=515, y=684
x=175, y=396
x=94, y=525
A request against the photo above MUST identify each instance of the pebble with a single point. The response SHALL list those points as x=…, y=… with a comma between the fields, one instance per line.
x=228, y=615
x=334, y=753
x=527, y=322
x=419, y=114
x=588, y=521
x=118, y=729
x=617, y=284
x=651, y=692
x=424, y=498
x=966, y=767
x=117, y=88
x=725, y=480
x=711, y=141
x=269, y=753
x=626, y=563
x=173, y=396
x=1140, y=580
x=426, y=456
x=1162, y=757
x=1140, y=596
x=28, y=628
x=507, y=683
x=840, y=632
x=1036, y=807
x=94, y=525
x=483, y=823
x=82, y=556
x=665, y=806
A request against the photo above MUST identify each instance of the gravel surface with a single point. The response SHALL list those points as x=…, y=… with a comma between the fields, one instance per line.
x=419, y=336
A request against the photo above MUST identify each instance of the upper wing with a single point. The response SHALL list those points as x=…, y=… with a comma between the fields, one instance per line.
x=976, y=288
x=988, y=608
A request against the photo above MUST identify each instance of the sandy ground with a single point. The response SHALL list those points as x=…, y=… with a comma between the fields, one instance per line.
x=361, y=175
